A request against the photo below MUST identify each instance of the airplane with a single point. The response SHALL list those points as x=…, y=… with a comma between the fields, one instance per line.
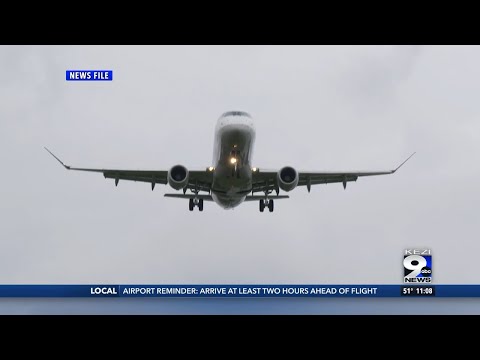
x=231, y=177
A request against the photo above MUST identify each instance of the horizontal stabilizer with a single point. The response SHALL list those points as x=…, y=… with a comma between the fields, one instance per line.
x=190, y=196
x=262, y=197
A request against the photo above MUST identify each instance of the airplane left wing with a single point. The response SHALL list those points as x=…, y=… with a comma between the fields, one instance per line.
x=267, y=180
x=199, y=179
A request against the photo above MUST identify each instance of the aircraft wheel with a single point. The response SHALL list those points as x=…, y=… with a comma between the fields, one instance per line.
x=270, y=206
x=262, y=205
x=190, y=205
x=200, y=205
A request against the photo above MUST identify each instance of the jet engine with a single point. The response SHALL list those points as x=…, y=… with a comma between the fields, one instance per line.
x=178, y=177
x=287, y=178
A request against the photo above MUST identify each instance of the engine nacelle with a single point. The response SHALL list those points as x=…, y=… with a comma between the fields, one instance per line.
x=287, y=178
x=178, y=177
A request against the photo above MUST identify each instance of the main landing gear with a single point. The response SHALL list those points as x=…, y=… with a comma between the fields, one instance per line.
x=195, y=202
x=266, y=203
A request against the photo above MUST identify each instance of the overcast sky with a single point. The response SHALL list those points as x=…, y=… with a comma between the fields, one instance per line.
x=315, y=108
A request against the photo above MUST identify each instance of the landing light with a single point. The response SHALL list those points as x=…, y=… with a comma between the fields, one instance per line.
x=211, y=168
x=233, y=160
x=254, y=169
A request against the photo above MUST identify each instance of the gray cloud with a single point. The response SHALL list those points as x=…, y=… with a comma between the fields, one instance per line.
x=315, y=108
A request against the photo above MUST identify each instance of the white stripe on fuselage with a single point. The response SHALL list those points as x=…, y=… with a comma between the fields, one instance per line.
x=234, y=138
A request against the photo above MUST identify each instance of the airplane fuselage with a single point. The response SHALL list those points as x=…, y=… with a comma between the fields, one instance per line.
x=232, y=155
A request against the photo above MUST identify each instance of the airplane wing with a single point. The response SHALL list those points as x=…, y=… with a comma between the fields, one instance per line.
x=267, y=180
x=199, y=179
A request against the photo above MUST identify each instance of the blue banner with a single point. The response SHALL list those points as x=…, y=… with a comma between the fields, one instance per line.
x=89, y=75
x=239, y=291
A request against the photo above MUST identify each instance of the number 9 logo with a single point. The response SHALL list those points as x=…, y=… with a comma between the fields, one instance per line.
x=415, y=263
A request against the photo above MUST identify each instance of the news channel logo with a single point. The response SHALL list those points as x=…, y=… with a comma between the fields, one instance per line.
x=417, y=266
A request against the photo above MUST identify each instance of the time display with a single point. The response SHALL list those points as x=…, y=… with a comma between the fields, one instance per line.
x=418, y=290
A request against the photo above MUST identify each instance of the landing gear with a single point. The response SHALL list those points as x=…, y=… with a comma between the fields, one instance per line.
x=195, y=202
x=266, y=203
x=270, y=206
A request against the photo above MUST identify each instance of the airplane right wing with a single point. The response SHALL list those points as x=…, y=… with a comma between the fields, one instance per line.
x=197, y=179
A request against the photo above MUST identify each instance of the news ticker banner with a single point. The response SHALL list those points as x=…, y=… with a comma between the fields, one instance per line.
x=239, y=291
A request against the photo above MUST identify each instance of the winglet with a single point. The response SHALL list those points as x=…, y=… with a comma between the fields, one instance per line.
x=60, y=161
x=399, y=166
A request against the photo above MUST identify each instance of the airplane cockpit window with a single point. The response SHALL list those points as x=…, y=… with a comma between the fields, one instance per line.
x=236, y=113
